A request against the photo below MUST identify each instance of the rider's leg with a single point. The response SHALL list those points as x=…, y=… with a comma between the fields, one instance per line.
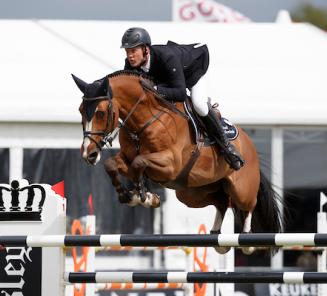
x=213, y=124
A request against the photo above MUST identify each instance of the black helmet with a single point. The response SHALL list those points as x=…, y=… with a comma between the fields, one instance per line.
x=134, y=37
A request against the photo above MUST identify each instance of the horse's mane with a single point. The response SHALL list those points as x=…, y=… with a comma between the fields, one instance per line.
x=129, y=73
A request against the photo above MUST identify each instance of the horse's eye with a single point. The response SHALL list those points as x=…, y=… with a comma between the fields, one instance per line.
x=100, y=114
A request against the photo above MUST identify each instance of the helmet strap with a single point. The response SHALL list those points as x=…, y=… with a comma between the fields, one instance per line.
x=145, y=55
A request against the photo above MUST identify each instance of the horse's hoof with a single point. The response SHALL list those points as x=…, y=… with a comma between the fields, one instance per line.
x=215, y=231
x=248, y=250
x=152, y=200
x=222, y=250
x=143, y=196
x=125, y=197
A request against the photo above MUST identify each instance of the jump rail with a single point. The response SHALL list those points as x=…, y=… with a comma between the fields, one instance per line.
x=190, y=240
x=196, y=277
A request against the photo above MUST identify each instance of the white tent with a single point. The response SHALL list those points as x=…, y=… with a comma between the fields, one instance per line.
x=261, y=74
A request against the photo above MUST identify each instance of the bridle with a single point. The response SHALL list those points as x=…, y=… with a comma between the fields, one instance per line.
x=110, y=132
x=107, y=131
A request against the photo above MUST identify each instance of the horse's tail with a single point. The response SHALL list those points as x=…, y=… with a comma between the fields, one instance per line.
x=267, y=216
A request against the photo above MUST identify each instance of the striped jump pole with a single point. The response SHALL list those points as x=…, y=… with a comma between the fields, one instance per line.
x=190, y=240
x=196, y=277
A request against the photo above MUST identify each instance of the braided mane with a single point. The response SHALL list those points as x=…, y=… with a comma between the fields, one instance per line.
x=128, y=73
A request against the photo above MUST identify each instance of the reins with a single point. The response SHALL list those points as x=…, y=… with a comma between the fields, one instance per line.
x=108, y=137
x=162, y=100
x=109, y=134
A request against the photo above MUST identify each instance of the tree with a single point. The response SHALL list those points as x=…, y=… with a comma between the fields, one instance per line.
x=310, y=14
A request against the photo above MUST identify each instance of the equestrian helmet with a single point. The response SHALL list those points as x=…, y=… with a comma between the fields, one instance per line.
x=134, y=37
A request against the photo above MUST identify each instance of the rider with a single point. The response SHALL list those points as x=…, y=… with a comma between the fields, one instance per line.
x=174, y=68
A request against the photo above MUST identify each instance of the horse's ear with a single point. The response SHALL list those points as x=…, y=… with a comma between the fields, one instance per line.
x=80, y=83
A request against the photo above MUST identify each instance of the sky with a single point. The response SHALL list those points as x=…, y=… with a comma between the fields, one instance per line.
x=151, y=10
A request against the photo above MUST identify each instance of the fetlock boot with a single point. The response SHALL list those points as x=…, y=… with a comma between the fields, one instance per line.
x=216, y=131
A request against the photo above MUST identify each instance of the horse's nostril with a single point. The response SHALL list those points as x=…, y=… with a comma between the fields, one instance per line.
x=92, y=156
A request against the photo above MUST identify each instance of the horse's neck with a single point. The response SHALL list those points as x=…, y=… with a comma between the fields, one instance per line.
x=132, y=100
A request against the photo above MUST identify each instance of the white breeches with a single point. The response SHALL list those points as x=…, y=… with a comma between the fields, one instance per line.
x=199, y=95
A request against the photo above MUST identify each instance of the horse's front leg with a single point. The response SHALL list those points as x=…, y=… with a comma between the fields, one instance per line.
x=159, y=164
x=115, y=166
x=146, y=199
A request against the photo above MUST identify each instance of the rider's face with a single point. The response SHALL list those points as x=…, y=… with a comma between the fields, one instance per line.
x=134, y=56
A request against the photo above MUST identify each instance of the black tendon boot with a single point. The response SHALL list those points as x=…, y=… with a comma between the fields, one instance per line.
x=216, y=131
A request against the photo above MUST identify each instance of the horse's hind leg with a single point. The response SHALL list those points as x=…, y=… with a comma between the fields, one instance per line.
x=221, y=208
x=244, y=199
x=247, y=229
x=216, y=228
x=243, y=188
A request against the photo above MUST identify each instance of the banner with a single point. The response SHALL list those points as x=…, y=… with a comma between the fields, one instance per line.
x=205, y=11
x=20, y=273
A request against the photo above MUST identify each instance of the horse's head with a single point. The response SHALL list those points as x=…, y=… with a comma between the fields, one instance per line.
x=98, y=117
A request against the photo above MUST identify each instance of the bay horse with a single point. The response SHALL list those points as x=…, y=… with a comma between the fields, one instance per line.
x=156, y=141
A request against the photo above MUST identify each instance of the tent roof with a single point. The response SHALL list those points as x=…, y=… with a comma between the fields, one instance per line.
x=259, y=73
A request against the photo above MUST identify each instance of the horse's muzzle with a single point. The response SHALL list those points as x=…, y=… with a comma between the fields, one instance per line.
x=93, y=157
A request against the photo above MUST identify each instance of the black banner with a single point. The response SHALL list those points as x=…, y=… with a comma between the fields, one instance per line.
x=21, y=271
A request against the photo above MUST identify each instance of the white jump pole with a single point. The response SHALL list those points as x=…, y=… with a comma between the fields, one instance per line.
x=91, y=289
x=90, y=228
x=322, y=257
x=227, y=261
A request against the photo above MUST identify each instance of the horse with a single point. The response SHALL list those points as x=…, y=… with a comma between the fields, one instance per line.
x=158, y=142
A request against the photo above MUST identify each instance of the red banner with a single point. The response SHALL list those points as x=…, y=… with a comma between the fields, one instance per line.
x=205, y=11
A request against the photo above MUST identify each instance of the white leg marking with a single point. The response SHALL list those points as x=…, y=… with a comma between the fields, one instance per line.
x=152, y=200
x=247, y=229
x=217, y=226
x=136, y=200
x=247, y=223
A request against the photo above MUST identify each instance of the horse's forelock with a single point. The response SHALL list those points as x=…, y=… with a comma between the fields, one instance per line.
x=90, y=107
x=95, y=89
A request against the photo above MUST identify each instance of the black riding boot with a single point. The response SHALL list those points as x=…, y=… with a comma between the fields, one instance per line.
x=216, y=131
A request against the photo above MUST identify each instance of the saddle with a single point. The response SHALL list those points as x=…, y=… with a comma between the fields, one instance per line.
x=199, y=129
x=201, y=135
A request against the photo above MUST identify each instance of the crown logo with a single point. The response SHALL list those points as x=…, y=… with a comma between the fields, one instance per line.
x=21, y=203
